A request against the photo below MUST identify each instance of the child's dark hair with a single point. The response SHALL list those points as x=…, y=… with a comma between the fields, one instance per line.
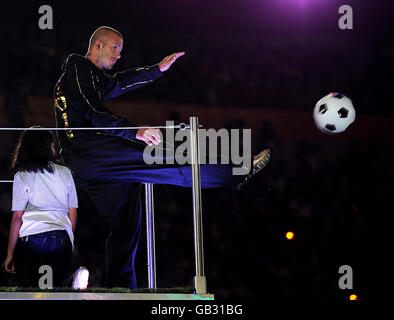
x=34, y=151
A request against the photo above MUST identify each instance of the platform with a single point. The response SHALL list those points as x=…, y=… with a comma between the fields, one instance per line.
x=102, y=296
x=97, y=293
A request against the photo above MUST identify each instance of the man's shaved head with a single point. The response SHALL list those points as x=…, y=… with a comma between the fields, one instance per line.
x=103, y=33
x=105, y=46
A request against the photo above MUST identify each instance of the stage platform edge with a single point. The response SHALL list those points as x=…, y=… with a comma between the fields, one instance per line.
x=102, y=296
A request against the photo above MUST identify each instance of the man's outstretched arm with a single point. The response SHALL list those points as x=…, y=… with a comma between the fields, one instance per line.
x=125, y=81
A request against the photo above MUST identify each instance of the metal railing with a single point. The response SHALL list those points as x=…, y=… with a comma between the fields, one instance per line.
x=199, y=278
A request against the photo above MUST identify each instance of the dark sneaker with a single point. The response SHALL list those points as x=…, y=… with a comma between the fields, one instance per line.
x=259, y=162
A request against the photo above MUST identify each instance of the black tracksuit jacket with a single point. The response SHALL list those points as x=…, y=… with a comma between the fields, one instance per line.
x=80, y=94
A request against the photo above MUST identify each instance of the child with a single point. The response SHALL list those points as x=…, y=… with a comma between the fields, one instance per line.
x=44, y=205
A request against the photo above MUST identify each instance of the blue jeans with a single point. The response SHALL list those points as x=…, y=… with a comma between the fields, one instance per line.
x=51, y=248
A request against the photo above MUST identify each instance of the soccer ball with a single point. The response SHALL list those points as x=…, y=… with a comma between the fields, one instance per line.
x=334, y=113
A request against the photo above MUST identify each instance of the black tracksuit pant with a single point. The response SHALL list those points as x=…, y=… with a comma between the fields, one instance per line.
x=111, y=170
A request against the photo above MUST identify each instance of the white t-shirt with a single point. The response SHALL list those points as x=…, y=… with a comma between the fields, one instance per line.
x=45, y=198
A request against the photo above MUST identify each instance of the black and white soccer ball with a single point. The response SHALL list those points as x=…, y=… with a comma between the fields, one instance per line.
x=334, y=113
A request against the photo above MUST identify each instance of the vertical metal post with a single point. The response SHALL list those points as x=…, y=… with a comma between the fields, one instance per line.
x=150, y=235
x=199, y=279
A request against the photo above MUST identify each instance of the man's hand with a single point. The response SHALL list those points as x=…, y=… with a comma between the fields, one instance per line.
x=169, y=60
x=149, y=136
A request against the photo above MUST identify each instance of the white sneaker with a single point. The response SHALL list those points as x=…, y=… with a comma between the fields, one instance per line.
x=80, y=279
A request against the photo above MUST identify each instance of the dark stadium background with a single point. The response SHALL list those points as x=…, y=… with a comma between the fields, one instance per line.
x=249, y=64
